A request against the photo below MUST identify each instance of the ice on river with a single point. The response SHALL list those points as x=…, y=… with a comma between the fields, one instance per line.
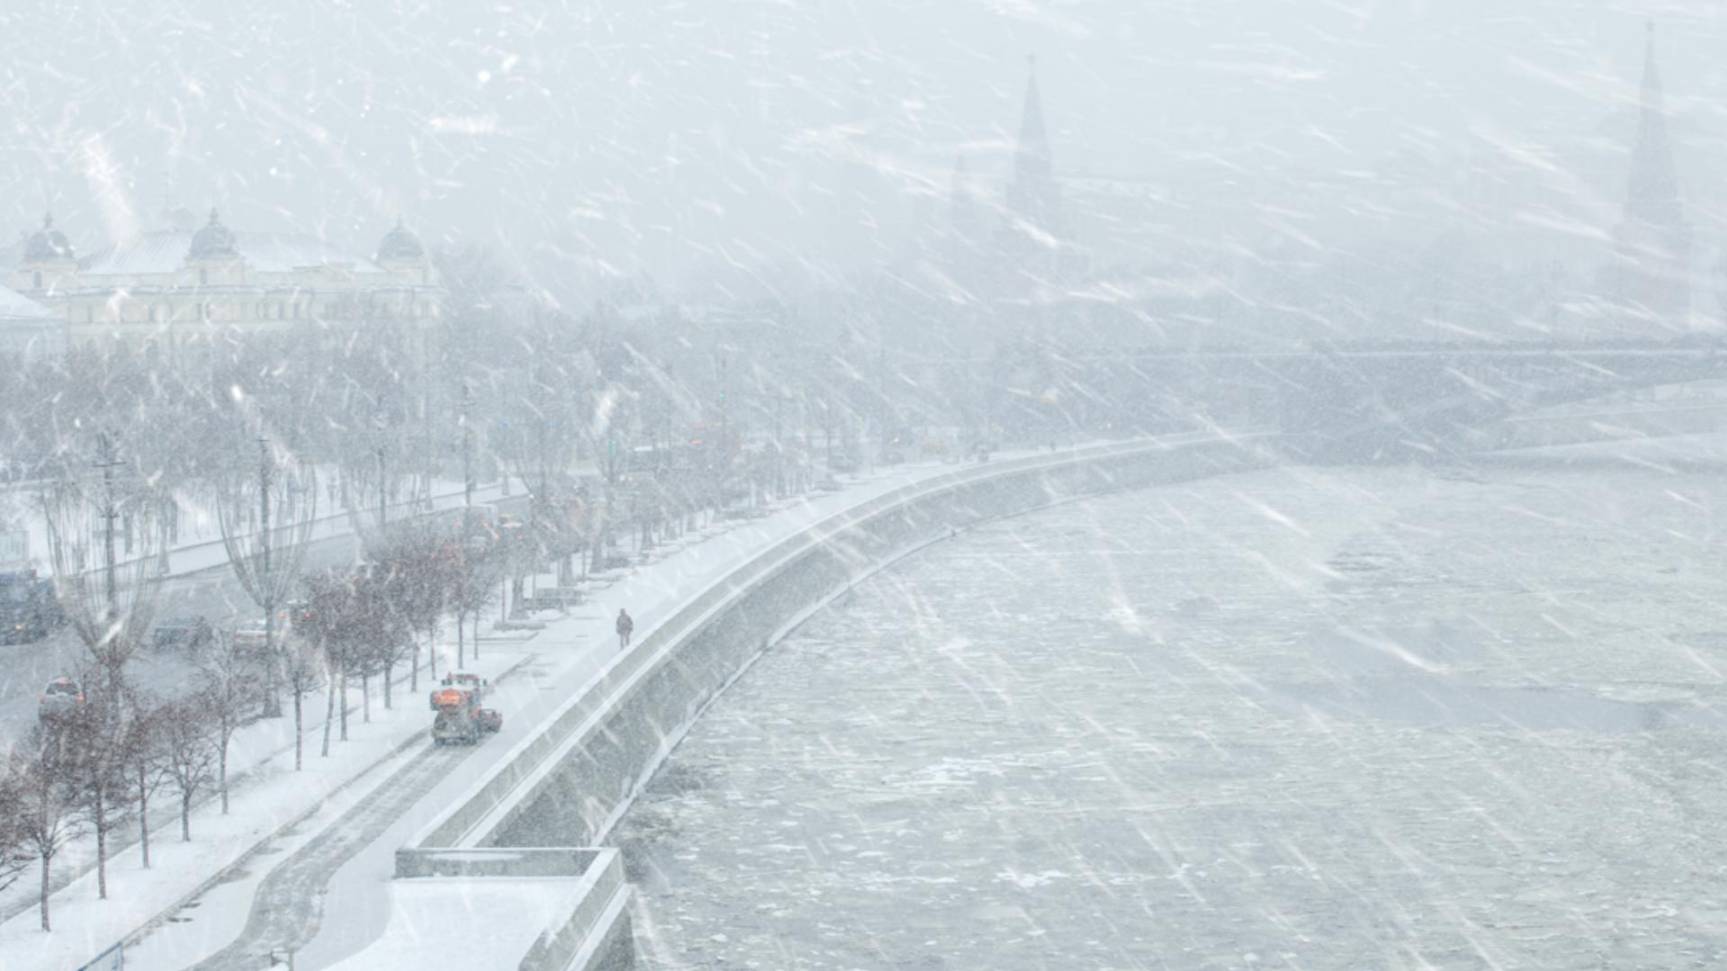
x=1342, y=718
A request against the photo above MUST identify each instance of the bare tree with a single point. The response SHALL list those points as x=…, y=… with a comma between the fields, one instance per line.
x=188, y=753
x=227, y=687
x=106, y=555
x=395, y=642
x=304, y=673
x=15, y=852
x=372, y=631
x=416, y=562
x=475, y=570
x=266, y=521
x=94, y=739
x=47, y=805
x=146, y=760
x=335, y=618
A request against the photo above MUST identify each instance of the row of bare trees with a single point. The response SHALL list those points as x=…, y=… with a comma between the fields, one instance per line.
x=93, y=767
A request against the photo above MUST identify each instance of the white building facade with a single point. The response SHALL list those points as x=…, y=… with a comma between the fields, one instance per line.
x=28, y=330
x=179, y=290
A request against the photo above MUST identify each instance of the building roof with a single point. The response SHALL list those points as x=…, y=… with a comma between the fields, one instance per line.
x=165, y=252
x=399, y=244
x=214, y=242
x=47, y=244
x=15, y=306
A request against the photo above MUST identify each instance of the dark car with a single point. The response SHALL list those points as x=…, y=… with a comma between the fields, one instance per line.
x=28, y=608
x=182, y=634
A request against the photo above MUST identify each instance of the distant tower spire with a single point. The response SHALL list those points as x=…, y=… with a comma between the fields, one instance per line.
x=1033, y=197
x=1652, y=245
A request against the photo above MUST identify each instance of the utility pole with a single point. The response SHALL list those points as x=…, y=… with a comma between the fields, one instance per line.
x=467, y=447
x=881, y=393
x=725, y=417
x=779, y=451
x=266, y=586
x=383, y=512
x=107, y=462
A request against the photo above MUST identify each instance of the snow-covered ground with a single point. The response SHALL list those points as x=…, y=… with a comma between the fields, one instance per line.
x=267, y=796
x=1330, y=718
x=556, y=662
x=198, y=582
x=1659, y=454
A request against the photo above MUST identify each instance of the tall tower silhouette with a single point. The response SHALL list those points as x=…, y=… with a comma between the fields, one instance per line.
x=1033, y=198
x=1652, y=243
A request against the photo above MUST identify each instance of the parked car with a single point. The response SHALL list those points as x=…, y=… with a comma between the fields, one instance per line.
x=250, y=636
x=28, y=608
x=182, y=634
x=61, y=697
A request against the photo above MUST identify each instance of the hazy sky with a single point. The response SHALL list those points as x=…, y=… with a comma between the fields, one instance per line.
x=734, y=140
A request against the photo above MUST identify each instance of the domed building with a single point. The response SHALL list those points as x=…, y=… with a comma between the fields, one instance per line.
x=50, y=257
x=180, y=287
x=400, y=248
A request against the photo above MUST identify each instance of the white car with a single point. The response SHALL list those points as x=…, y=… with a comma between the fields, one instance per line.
x=250, y=637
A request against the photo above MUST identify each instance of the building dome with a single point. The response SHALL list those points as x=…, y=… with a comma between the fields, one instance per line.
x=48, y=245
x=214, y=242
x=399, y=245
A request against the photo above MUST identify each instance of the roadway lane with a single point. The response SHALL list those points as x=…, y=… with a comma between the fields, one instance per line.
x=213, y=593
x=288, y=906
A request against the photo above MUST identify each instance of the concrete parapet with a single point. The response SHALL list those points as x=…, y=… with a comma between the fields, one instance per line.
x=550, y=861
x=568, y=784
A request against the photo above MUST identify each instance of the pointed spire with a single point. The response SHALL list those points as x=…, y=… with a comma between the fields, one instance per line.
x=1653, y=242
x=1654, y=183
x=1651, y=75
x=1032, y=196
x=1033, y=140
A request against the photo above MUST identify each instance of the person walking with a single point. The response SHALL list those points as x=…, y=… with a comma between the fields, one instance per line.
x=625, y=625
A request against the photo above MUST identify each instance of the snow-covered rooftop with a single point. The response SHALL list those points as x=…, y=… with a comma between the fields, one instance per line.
x=164, y=251
x=16, y=306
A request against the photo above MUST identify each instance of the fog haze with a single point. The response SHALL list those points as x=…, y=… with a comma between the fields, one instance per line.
x=731, y=147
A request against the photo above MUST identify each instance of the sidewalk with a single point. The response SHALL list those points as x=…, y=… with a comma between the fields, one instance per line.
x=197, y=897
x=269, y=798
x=266, y=795
x=566, y=657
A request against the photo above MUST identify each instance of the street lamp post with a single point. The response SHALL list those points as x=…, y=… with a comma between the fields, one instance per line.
x=467, y=447
x=266, y=585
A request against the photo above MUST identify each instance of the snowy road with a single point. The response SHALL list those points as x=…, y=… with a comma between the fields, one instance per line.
x=213, y=593
x=1311, y=718
x=288, y=907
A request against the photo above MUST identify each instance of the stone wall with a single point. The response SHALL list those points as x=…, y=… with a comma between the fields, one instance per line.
x=688, y=661
x=565, y=788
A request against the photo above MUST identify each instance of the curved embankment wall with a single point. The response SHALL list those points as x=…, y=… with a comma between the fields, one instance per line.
x=569, y=785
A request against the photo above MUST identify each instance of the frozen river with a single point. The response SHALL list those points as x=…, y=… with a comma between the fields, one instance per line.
x=1298, y=718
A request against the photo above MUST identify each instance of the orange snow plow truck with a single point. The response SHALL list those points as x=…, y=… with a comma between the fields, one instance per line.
x=460, y=718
